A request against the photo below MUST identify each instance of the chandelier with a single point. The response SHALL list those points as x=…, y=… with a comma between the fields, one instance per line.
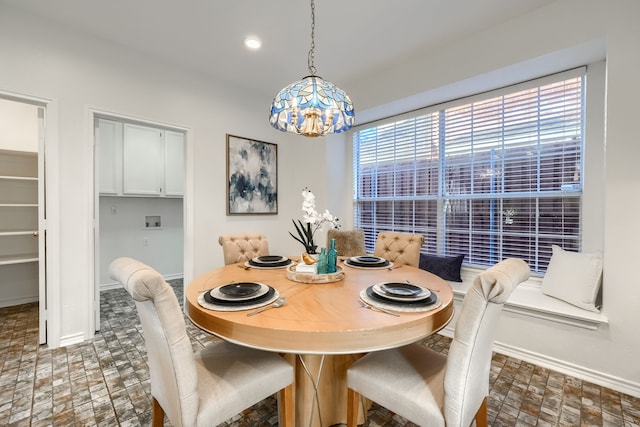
x=312, y=106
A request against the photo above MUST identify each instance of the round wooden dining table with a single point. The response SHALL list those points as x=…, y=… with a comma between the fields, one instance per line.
x=321, y=328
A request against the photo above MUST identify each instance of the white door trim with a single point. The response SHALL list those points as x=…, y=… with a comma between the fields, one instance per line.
x=42, y=230
x=93, y=255
x=49, y=297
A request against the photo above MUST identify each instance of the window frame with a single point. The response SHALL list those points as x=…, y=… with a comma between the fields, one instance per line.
x=592, y=221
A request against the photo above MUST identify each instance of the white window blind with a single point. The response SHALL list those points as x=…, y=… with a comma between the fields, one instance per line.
x=492, y=176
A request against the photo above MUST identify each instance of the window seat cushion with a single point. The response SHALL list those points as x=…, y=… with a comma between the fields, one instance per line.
x=574, y=277
x=528, y=299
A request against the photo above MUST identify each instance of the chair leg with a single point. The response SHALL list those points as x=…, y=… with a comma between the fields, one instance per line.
x=352, y=408
x=157, y=413
x=287, y=408
x=482, y=418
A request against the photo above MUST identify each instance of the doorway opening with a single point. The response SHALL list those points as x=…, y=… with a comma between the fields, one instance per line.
x=22, y=207
x=139, y=209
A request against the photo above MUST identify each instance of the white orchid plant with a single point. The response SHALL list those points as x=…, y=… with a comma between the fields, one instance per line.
x=311, y=222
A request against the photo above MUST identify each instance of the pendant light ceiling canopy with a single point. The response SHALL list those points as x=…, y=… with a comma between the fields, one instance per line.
x=312, y=106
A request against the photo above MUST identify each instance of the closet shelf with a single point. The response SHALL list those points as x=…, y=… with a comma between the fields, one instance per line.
x=17, y=232
x=18, y=259
x=18, y=178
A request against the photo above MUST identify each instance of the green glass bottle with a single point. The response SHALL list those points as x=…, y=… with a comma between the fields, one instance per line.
x=322, y=262
x=332, y=257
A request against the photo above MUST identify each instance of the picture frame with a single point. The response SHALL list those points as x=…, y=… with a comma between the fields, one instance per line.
x=252, y=176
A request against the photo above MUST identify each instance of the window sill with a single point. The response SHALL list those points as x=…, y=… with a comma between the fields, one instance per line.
x=528, y=300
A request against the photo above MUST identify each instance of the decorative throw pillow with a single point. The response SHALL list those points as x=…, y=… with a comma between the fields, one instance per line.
x=447, y=268
x=573, y=277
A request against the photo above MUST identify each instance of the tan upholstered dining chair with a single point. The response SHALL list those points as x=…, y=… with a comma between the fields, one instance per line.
x=348, y=242
x=399, y=248
x=242, y=247
x=210, y=386
x=432, y=389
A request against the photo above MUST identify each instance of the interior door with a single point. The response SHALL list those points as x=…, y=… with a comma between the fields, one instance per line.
x=100, y=155
x=42, y=231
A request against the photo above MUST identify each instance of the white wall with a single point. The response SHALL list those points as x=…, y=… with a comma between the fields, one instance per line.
x=19, y=284
x=565, y=34
x=122, y=233
x=18, y=126
x=79, y=74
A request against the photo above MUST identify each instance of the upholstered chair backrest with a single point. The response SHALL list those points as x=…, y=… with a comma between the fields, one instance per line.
x=400, y=248
x=466, y=381
x=348, y=243
x=171, y=364
x=243, y=247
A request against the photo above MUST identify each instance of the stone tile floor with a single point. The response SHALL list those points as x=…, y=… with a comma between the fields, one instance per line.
x=105, y=381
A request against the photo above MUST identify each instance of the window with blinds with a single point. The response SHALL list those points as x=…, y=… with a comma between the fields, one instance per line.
x=492, y=176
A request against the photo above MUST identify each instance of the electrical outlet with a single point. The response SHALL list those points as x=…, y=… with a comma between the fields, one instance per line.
x=114, y=210
x=146, y=241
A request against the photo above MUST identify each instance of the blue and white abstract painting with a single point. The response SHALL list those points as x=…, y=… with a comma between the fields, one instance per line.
x=252, y=176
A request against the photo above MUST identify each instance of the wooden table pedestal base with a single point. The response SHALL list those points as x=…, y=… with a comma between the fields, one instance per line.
x=329, y=374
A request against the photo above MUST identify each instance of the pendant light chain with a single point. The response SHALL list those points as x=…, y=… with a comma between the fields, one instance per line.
x=311, y=56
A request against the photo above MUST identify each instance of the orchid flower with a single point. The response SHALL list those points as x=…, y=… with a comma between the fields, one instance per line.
x=312, y=221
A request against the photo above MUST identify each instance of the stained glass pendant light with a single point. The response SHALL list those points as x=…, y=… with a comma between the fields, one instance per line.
x=312, y=106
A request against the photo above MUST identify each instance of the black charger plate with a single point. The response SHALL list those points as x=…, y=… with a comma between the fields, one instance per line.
x=212, y=300
x=421, y=303
x=267, y=261
x=355, y=263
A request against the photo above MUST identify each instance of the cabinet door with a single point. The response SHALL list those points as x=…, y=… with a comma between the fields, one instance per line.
x=109, y=152
x=143, y=160
x=174, y=164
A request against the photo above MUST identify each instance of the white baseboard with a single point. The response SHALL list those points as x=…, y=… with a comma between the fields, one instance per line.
x=110, y=286
x=605, y=380
x=18, y=301
x=72, y=339
x=447, y=331
x=117, y=285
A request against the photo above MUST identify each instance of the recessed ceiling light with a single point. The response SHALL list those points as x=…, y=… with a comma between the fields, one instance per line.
x=252, y=42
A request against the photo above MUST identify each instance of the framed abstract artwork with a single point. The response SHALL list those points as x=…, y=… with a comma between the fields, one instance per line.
x=252, y=177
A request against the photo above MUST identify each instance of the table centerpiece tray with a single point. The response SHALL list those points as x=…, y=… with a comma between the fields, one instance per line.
x=301, y=277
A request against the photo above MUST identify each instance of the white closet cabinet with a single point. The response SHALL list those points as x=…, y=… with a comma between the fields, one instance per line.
x=18, y=226
x=143, y=161
x=174, y=164
x=135, y=160
x=109, y=149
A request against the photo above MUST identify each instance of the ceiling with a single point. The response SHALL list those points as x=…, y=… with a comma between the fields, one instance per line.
x=352, y=36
